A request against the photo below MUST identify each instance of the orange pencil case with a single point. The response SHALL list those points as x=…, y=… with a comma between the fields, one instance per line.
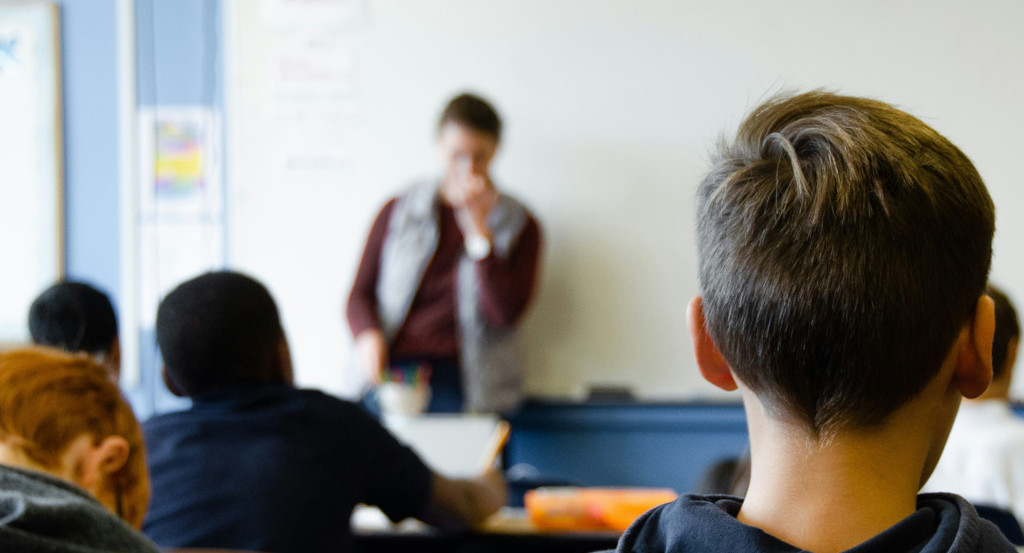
x=591, y=508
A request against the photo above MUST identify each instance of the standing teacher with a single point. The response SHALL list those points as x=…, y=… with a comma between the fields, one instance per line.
x=449, y=267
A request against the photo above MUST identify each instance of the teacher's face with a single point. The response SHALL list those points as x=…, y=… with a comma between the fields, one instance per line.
x=465, y=152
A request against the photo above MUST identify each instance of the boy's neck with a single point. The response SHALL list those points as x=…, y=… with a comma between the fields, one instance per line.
x=840, y=491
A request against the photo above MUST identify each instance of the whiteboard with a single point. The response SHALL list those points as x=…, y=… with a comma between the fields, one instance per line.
x=31, y=198
x=611, y=107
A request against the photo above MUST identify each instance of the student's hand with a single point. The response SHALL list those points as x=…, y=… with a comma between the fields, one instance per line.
x=471, y=501
x=373, y=353
x=495, y=493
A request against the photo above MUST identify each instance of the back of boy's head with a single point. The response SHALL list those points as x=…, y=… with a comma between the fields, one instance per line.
x=219, y=329
x=1007, y=329
x=843, y=245
x=73, y=316
x=48, y=398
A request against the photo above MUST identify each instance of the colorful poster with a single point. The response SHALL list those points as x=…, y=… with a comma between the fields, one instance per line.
x=178, y=167
x=179, y=161
x=180, y=218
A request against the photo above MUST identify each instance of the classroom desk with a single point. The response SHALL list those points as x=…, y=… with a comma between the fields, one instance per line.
x=483, y=543
x=664, y=445
x=507, y=532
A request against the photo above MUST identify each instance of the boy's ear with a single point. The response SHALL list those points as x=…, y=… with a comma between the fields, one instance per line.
x=710, y=361
x=974, y=356
x=97, y=464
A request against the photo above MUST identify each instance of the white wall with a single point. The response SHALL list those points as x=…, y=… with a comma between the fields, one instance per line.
x=610, y=108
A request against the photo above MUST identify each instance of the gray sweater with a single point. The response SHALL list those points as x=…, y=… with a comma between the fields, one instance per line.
x=489, y=355
x=42, y=514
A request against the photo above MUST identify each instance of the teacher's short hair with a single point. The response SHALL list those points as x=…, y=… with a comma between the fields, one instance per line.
x=473, y=112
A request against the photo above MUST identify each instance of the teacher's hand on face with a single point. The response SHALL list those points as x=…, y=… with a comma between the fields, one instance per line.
x=478, y=197
x=467, y=153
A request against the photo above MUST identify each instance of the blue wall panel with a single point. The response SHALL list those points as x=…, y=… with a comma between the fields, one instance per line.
x=178, y=63
x=91, y=187
x=178, y=52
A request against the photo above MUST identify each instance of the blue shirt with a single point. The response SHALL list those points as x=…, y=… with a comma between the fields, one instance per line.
x=274, y=469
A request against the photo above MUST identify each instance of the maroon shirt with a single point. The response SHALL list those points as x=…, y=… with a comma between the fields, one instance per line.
x=431, y=328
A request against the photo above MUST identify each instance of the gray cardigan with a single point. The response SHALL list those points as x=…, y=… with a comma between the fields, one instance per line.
x=490, y=357
x=42, y=514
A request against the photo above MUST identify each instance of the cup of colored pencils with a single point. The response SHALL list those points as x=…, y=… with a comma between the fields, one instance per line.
x=405, y=390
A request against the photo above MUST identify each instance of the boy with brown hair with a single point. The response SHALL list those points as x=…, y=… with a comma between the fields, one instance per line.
x=844, y=247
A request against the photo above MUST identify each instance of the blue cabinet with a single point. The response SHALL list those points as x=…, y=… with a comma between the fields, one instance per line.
x=623, y=444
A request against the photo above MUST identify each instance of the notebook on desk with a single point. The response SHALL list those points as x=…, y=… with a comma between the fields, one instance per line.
x=455, y=445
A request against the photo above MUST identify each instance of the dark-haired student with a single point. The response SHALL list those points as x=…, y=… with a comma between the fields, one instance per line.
x=77, y=317
x=984, y=456
x=256, y=464
x=448, y=270
x=843, y=249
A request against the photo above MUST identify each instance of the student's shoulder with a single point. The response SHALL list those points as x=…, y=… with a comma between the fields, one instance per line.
x=691, y=522
x=263, y=402
x=319, y=397
x=958, y=522
x=333, y=407
x=163, y=420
